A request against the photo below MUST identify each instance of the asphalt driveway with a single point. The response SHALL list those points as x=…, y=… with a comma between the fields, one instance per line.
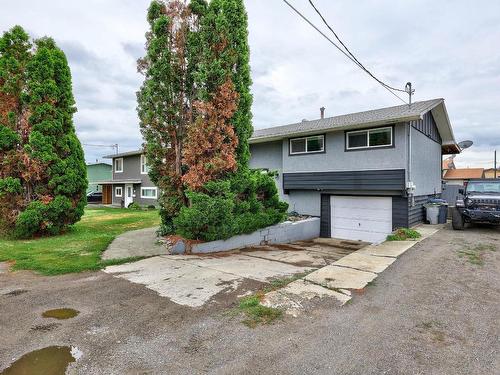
x=433, y=311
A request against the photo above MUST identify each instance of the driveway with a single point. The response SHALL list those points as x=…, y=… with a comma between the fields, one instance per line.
x=433, y=311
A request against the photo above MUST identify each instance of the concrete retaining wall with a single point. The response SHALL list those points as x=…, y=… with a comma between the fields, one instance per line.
x=279, y=233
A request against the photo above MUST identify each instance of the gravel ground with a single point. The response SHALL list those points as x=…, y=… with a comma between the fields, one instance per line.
x=430, y=312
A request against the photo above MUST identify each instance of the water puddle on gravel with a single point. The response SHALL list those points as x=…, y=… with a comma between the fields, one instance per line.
x=61, y=313
x=53, y=360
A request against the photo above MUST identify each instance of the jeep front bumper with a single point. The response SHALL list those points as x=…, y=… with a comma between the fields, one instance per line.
x=483, y=216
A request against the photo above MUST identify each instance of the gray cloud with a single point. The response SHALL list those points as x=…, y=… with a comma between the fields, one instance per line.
x=448, y=52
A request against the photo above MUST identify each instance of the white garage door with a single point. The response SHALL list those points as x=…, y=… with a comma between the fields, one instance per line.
x=361, y=218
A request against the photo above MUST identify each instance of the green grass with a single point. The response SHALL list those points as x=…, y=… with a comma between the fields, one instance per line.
x=256, y=313
x=80, y=248
x=475, y=254
x=404, y=234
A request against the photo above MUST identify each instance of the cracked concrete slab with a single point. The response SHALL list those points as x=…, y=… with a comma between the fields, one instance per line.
x=136, y=243
x=194, y=280
x=291, y=297
x=336, y=277
x=250, y=267
x=183, y=282
x=297, y=258
x=365, y=262
x=388, y=249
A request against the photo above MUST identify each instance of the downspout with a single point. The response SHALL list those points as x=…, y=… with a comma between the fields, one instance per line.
x=409, y=183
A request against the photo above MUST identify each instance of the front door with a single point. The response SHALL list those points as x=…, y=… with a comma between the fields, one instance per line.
x=129, y=192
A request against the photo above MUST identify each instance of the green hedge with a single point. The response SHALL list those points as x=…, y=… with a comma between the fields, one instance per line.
x=243, y=203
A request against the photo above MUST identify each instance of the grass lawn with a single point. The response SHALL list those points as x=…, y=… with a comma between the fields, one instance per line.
x=80, y=248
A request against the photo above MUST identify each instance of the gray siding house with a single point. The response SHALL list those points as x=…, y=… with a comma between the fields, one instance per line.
x=130, y=181
x=364, y=174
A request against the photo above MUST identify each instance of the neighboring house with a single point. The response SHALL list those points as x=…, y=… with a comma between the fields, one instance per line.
x=364, y=174
x=129, y=181
x=461, y=176
x=490, y=173
x=97, y=172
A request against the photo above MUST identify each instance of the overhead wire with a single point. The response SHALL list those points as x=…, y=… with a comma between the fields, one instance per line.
x=346, y=54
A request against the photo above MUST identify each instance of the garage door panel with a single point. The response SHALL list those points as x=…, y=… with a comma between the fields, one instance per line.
x=361, y=218
x=364, y=214
x=364, y=225
x=349, y=234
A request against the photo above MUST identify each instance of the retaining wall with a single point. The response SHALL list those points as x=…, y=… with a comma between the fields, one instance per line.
x=285, y=232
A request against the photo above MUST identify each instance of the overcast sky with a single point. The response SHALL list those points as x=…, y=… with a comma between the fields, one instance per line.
x=447, y=49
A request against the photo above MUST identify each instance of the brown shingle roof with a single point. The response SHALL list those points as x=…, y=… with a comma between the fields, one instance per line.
x=464, y=173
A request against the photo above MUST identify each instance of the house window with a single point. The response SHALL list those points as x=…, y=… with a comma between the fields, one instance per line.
x=307, y=145
x=118, y=191
x=144, y=165
x=371, y=138
x=118, y=165
x=149, y=193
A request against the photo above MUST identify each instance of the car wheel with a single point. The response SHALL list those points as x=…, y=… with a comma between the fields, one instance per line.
x=457, y=220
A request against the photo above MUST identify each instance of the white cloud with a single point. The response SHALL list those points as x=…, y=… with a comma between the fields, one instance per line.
x=446, y=50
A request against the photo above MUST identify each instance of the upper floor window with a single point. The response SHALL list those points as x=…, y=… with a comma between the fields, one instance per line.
x=306, y=145
x=118, y=162
x=371, y=138
x=144, y=165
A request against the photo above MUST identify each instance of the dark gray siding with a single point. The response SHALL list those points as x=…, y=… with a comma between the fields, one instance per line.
x=416, y=214
x=399, y=212
x=325, y=221
x=372, y=180
x=428, y=127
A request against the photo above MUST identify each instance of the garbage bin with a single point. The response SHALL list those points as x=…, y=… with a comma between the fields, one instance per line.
x=432, y=212
x=443, y=213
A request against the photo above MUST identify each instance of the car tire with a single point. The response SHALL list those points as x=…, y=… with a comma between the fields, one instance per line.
x=457, y=220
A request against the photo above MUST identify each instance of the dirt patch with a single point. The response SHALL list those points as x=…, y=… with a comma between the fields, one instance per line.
x=45, y=327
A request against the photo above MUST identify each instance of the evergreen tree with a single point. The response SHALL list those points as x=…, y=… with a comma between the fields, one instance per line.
x=43, y=170
x=165, y=100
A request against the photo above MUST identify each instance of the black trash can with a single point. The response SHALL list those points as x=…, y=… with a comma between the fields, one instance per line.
x=443, y=213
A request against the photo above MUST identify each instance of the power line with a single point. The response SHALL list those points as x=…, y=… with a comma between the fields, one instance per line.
x=350, y=53
x=114, y=146
x=353, y=59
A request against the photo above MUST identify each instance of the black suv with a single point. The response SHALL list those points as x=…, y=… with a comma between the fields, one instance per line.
x=481, y=204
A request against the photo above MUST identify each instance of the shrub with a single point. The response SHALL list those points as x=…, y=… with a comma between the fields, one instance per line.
x=403, y=234
x=240, y=204
x=151, y=207
x=134, y=206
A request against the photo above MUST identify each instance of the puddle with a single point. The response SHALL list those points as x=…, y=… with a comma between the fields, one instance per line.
x=53, y=360
x=61, y=313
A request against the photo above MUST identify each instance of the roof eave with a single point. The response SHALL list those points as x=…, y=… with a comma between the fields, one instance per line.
x=278, y=137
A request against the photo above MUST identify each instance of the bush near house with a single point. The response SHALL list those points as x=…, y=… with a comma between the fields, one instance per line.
x=241, y=204
x=403, y=234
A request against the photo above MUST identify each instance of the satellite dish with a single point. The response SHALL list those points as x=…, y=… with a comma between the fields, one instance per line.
x=465, y=144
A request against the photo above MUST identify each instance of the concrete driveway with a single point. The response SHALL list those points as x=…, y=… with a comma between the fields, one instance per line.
x=432, y=311
x=193, y=280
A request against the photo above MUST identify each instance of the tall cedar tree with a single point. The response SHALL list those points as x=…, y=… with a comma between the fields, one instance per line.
x=42, y=169
x=165, y=100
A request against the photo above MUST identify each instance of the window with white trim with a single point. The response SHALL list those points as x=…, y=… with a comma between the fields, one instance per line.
x=149, y=192
x=118, y=192
x=118, y=163
x=370, y=138
x=144, y=165
x=307, y=145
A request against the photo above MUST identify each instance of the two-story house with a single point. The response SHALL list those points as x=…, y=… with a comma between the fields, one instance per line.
x=364, y=174
x=130, y=181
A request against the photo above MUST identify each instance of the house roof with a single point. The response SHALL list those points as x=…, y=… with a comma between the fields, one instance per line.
x=464, y=173
x=122, y=154
x=397, y=114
